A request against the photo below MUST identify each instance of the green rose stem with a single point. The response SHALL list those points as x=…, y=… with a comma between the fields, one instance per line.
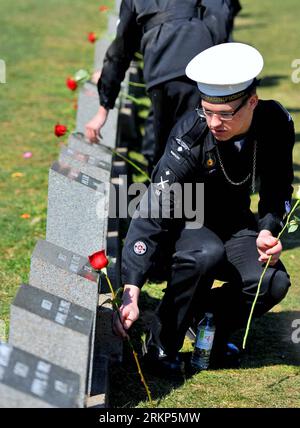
x=131, y=163
x=137, y=85
x=115, y=152
x=115, y=305
x=263, y=274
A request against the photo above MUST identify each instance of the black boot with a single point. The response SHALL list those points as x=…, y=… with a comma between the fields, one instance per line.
x=225, y=355
x=158, y=362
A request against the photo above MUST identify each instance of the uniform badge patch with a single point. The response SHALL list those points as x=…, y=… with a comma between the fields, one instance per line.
x=210, y=160
x=140, y=248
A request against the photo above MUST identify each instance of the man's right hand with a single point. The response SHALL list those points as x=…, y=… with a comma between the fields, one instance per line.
x=129, y=311
x=93, y=127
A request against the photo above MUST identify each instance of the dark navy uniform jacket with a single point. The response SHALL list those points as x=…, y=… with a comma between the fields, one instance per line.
x=167, y=43
x=190, y=156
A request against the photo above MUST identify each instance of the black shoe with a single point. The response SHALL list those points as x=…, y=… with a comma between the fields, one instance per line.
x=159, y=363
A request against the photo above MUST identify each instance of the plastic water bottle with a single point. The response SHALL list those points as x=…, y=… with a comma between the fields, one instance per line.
x=204, y=342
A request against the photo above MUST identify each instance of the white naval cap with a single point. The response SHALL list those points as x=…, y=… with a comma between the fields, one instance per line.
x=225, y=72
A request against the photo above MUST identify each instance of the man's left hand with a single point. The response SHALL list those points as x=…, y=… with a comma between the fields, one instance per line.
x=268, y=245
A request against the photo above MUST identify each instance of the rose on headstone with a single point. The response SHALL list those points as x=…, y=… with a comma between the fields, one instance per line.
x=71, y=84
x=60, y=130
x=92, y=37
x=80, y=77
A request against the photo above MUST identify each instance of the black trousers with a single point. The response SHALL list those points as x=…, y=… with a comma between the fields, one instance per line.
x=170, y=100
x=201, y=257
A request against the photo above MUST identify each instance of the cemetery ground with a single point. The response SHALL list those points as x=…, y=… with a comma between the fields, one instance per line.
x=42, y=44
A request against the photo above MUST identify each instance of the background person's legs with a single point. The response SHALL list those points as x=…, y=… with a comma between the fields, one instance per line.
x=170, y=101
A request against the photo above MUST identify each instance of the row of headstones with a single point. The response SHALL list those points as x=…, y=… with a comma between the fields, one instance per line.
x=60, y=343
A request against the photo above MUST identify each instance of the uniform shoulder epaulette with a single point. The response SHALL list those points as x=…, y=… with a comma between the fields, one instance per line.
x=190, y=128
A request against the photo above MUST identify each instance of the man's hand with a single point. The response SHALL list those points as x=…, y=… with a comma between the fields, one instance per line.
x=93, y=127
x=129, y=311
x=268, y=246
x=96, y=76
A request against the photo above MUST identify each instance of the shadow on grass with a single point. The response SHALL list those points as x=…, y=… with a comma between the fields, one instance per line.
x=274, y=80
x=270, y=343
x=272, y=340
x=297, y=137
x=245, y=15
x=242, y=26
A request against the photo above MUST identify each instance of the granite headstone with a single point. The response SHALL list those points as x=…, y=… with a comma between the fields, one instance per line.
x=65, y=274
x=68, y=276
x=53, y=329
x=27, y=381
x=77, y=210
x=94, y=167
x=78, y=142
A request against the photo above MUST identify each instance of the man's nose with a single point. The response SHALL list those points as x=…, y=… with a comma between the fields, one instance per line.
x=215, y=121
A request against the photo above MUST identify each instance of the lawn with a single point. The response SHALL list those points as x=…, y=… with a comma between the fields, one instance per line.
x=270, y=372
x=44, y=42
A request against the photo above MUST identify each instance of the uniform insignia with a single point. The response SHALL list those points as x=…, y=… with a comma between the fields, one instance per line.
x=182, y=145
x=140, y=248
x=210, y=160
x=176, y=156
x=162, y=182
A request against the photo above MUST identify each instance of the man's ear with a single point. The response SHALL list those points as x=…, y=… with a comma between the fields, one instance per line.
x=253, y=101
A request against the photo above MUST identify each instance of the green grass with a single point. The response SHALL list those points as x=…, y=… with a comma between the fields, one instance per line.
x=270, y=373
x=44, y=42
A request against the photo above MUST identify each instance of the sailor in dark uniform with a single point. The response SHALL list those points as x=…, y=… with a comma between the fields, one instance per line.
x=169, y=33
x=235, y=144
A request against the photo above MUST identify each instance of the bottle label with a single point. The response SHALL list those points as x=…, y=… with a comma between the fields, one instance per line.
x=205, y=339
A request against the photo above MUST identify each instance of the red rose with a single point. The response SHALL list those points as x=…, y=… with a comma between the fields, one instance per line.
x=71, y=83
x=98, y=260
x=92, y=37
x=60, y=130
x=103, y=8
